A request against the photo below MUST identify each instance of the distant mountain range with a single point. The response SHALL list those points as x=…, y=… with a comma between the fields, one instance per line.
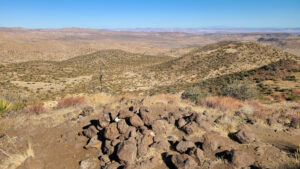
x=215, y=30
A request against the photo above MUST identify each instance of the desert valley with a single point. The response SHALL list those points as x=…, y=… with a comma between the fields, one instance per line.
x=91, y=98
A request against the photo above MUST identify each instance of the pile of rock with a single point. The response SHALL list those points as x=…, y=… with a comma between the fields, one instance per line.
x=140, y=137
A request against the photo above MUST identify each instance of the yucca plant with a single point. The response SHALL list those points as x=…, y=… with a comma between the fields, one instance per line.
x=5, y=106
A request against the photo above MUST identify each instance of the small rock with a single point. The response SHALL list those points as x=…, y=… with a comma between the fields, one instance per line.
x=181, y=122
x=86, y=111
x=295, y=123
x=90, y=163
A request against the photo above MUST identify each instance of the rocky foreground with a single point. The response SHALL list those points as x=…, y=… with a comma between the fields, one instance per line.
x=168, y=136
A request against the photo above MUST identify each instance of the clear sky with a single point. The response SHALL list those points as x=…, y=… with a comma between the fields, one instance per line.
x=150, y=13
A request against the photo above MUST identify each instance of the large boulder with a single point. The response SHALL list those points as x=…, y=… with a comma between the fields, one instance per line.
x=90, y=132
x=183, y=161
x=104, y=120
x=94, y=143
x=127, y=152
x=183, y=146
x=190, y=128
x=136, y=121
x=242, y=159
x=122, y=126
x=146, y=116
x=245, y=135
x=213, y=142
x=126, y=113
x=198, y=155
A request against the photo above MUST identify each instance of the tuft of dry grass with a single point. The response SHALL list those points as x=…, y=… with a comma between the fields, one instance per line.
x=36, y=109
x=222, y=103
x=14, y=160
x=296, y=91
x=255, y=108
x=278, y=97
x=70, y=101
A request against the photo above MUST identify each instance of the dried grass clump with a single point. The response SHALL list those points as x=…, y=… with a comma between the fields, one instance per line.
x=255, y=108
x=223, y=103
x=70, y=101
x=36, y=109
x=296, y=91
x=278, y=97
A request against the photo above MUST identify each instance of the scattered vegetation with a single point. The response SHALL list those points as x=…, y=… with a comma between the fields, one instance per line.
x=5, y=107
x=70, y=101
x=220, y=102
x=194, y=93
x=35, y=109
x=240, y=90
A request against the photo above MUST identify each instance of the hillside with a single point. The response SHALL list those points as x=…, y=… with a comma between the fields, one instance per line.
x=125, y=72
x=48, y=79
x=222, y=58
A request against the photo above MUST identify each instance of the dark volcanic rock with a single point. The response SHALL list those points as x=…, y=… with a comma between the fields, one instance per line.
x=127, y=152
x=136, y=121
x=122, y=126
x=183, y=161
x=242, y=159
x=111, y=132
x=183, y=146
x=90, y=132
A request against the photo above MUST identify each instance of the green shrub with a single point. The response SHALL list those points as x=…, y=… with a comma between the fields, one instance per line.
x=5, y=107
x=194, y=93
x=240, y=90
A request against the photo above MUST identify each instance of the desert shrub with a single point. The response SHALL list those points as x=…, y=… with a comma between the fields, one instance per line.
x=240, y=90
x=70, y=101
x=5, y=107
x=220, y=102
x=194, y=93
x=255, y=108
x=278, y=97
x=35, y=109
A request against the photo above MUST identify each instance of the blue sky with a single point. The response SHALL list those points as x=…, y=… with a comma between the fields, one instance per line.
x=150, y=13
